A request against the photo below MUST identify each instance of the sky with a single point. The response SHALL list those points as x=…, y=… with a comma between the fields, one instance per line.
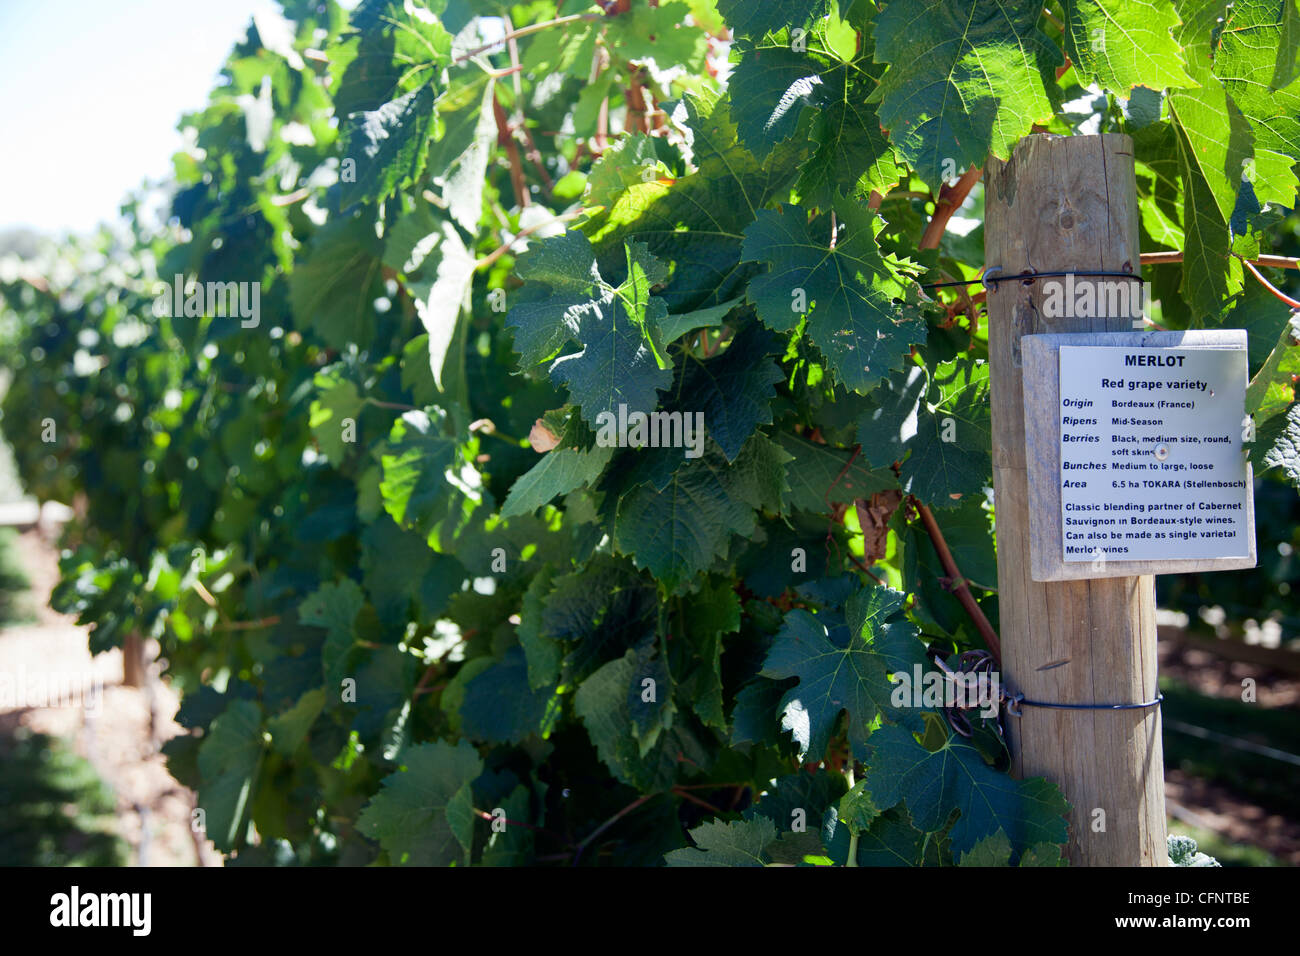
x=91, y=92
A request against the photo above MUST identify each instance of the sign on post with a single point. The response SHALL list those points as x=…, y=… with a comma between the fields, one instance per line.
x=1136, y=445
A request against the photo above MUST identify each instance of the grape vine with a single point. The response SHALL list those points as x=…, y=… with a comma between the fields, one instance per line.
x=598, y=443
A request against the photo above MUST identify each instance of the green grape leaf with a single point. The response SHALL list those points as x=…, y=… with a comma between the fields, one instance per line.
x=335, y=606
x=416, y=490
x=1256, y=62
x=575, y=462
x=650, y=704
x=459, y=159
x=338, y=404
x=842, y=667
x=674, y=326
x=626, y=163
x=821, y=475
x=440, y=293
x=289, y=729
x=891, y=840
x=993, y=850
x=695, y=223
x=853, y=156
x=568, y=301
x=500, y=706
x=942, y=441
x=757, y=714
x=799, y=798
x=386, y=148
x=560, y=283
x=542, y=653
x=1121, y=44
x=602, y=704
x=956, y=776
x=602, y=610
x=755, y=19
x=857, y=810
x=737, y=843
x=966, y=78
x=656, y=33
x=733, y=390
x=845, y=292
x=714, y=613
x=424, y=813
x=1279, y=440
x=778, y=83
x=677, y=532
x=400, y=568
x=616, y=366
x=228, y=760
x=331, y=289
x=393, y=47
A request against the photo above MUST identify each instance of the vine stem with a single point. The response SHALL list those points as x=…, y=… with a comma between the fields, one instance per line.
x=1167, y=258
x=853, y=834
x=524, y=31
x=501, y=250
x=949, y=201
x=959, y=585
x=1277, y=293
x=1274, y=262
x=577, y=854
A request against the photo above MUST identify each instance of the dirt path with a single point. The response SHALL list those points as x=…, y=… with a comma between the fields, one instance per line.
x=81, y=699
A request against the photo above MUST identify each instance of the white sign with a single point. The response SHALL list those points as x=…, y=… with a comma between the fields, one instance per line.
x=1152, y=466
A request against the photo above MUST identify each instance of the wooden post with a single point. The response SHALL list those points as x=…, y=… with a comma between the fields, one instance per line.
x=1062, y=204
x=135, y=671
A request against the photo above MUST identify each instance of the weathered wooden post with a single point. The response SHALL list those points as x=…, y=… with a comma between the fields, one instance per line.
x=1065, y=204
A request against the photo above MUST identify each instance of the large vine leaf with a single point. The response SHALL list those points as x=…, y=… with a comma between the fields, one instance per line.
x=956, y=776
x=678, y=531
x=387, y=147
x=575, y=462
x=228, y=759
x=695, y=224
x=1121, y=44
x=738, y=843
x=842, y=667
x=602, y=704
x=845, y=290
x=853, y=155
x=394, y=47
x=938, y=430
x=965, y=78
x=500, y=706
x=424, y=484
x=734, y=390
x=756, y=19
x=619, y=363
x=424, y=815
x=1256, y=60
x=331, y=290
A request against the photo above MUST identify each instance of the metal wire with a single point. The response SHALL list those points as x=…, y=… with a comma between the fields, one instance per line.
x=985, y=278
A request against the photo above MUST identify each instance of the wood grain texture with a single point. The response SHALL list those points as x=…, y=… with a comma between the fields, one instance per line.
x=1062, y=204
x=1042, y=412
